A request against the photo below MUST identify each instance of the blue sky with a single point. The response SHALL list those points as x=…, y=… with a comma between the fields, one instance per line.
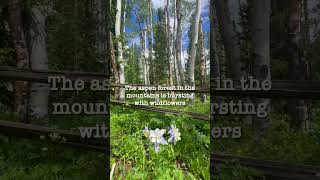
x=185, y=40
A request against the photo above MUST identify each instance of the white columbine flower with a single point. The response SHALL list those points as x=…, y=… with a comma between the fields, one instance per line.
x=156, y=138
x=175, y=135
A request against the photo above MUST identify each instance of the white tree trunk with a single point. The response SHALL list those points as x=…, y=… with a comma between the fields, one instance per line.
x=178, y=41
x=174, y=40
x=141, y=59
x=234, y=9
x=194, y=43
x=202, y=62
x=124, y=15
x=213, y=43
x=113, y=64
x=39, y=95
x=21, y=90
x=99, y=15
x=261, y=51
x=228, y=28
x=146, y=60
x=314, y=19
x=298, y=109
x=120, y=59
x=169, y=57
x=150, y=41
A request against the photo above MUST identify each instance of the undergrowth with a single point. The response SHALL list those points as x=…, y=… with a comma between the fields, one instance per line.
x=22, y=159
x=28, y=160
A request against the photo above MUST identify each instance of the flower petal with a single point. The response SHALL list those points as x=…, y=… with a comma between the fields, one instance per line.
x=157, y=147
x=163, y=141
x=162, y=131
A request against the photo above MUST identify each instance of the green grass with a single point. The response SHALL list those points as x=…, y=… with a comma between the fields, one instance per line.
x=28, y=160
x=281, y=143
x=22, y=159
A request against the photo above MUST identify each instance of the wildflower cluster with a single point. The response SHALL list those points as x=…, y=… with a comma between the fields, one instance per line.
x=156, y=136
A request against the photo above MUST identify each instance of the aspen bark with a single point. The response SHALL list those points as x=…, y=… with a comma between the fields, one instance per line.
x=229, y=37
x=150, y=43
x=174, y=40
x=120, y=59
x=114, y=66
x=194, y=43
x=202, y=62
x=298, y=109
x=39, y=95
x=314, y=19
x=213, y=43
x=22, y=62
x=178, y=41
x=169, y=57
x=100, y=19
x=261, y=11
x=146, y=59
